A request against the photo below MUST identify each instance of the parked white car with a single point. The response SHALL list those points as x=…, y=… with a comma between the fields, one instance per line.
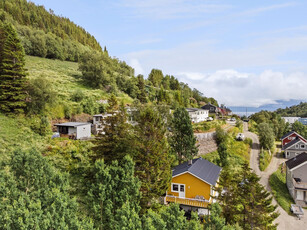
x=209, y=119
x=240, y=137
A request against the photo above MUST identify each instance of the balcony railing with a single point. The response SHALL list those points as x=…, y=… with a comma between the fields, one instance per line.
x=187, y=201
x=302, y=185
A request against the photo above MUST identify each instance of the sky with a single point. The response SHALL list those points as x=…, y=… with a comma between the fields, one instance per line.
x=243, y=53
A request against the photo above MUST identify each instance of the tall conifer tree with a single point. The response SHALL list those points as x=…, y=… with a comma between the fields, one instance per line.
x=153, y=161
x=12, y=71
x=183, y=141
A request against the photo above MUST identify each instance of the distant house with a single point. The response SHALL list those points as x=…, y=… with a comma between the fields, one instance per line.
x=192, y=184
x=74, y=130
x=297, y=178
x=229, y=112
x=290, y=136
x=290, y=120
x=295, y=147
x=198, y=115
x=212, y=108
x=98, y=123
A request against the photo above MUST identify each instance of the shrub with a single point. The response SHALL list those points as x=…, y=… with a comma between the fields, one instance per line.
x=77, y=95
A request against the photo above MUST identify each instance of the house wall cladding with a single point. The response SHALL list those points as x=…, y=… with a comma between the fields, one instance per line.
x=83, y=131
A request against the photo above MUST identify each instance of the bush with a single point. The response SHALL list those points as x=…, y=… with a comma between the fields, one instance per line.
x=41, y=125
x=78, y=95
x=264, y=159
x=248, y=141
x=67, y=111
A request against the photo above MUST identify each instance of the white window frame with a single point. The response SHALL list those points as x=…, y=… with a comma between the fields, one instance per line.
x=178, y=187
x=297, y=146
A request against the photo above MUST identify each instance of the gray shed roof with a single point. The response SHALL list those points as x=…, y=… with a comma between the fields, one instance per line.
x=200, y=168
x=296, y=161
x=72, y=124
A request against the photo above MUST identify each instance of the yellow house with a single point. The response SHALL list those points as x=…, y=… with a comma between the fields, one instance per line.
x=192, y=183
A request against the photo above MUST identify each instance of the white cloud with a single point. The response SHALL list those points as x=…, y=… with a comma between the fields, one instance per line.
x=135, y=64
x=234, y=88
x=257, y=11
x=206, y=56
x=169, y=9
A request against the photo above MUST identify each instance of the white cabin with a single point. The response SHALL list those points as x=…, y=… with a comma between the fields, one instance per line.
x=74, y=130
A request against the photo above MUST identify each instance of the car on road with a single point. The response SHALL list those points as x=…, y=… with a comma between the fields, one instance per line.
x=240, y=137
x=232, y=119
x=209, y=119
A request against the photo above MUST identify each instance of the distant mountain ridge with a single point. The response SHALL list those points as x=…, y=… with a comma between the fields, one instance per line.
x=278, y=107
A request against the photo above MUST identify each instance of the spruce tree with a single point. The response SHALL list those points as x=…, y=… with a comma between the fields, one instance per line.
x=114, y=195
x=141, y=85
x=12, y=71
x=153, y=161
x=245, y=201
x=116, y=141
x=182, y=139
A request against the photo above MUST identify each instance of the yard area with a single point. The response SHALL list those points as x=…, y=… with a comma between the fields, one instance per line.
x=279, y=189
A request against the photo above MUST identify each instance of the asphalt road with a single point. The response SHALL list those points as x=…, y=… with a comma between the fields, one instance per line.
x=284, y=220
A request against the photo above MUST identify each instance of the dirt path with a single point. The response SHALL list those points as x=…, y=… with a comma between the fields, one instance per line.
x=284, y=220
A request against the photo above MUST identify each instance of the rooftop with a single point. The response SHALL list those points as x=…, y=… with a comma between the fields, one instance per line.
x=287, y=134
x=72, y=124
x=194, y=109
x=293, y=142
x=200, y=168
x=296, y=161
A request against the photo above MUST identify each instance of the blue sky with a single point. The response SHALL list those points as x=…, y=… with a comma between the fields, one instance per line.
x=243, y=53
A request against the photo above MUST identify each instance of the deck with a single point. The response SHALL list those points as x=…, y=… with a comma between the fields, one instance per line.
x=299, y=185
x=187, y=201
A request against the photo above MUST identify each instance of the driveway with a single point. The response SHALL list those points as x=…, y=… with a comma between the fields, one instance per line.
x=284, y=220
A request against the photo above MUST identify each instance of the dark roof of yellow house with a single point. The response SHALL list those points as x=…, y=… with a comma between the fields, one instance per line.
x=199, y=168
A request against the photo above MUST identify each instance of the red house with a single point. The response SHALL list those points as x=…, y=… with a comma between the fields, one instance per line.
x=287, y=138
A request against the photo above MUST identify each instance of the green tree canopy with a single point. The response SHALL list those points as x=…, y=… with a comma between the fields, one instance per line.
x=12, y=71
x=116, y=142
x=266, y=135
x=114, y=195
x=35, y=196
x=245, y=201
x=153, y=161
x=155, y=77
x=182, y=139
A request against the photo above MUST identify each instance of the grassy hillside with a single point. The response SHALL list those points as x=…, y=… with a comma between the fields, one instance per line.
x=65, y=78
x=16, y=133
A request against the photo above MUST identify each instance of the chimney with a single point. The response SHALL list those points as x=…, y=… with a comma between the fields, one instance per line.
x=190, y=162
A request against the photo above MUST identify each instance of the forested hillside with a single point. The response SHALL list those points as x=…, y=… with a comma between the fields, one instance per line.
x=299, y=110
x=45, y=34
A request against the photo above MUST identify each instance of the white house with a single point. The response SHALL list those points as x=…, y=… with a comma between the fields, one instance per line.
x=98, y=122
x=290, y=120
x=74, y=130
x=198, y=115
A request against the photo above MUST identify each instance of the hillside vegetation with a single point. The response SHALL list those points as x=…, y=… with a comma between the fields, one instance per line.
x=299, y=110
x=70, y=92
x=28, y=14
